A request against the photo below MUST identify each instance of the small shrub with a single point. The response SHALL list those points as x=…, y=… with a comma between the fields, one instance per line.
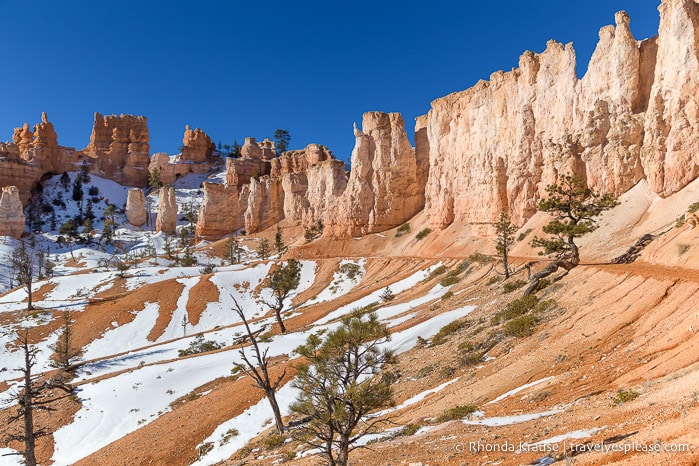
x=198, y=345
x=205, y=448
x=509, y=287
x=423, y=234
x=457, y=412
x=624, y=396
x=208, y=268
x=447, y=372
x=387, y=295
x=472, y=358
x=522, y=326
x=479, y=258
x=449, y=329
x=693, y=208
x=442, y=269
x=682, y=248
x=274, y=441
x=402, y=230
x=349, y=270
x=539, y=396
x=425, y=371
x=451, y=278
x=93, y=191
x=228, y=436
x=680, y=221
x=516, y=308
x=524, y=234
x=543, y=283
x=492, y=280
x=409, y=430
x=447, y=295
x=421, y=342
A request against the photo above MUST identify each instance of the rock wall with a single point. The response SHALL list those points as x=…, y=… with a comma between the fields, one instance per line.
x=634, y=115
x=11, y=213
x=222, y=211
x=197, y=146
x=382, y=191
x=120, y=148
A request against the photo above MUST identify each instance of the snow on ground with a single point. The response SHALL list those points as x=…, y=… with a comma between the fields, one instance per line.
x=519, y=389
x=10, y=457
x=385, y=313
x=374, y=297
x=576, y=434
x=509, y=420
x=415, y=399
x=340, y=284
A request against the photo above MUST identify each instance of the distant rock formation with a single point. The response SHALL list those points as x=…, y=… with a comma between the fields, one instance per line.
x=382, y=191
x=196, y=157
x=166, y=220
x=136, y=213
x=11, y=213
x=197, y=146
x=120, y=146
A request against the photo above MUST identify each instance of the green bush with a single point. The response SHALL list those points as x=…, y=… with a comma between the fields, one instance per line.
x=423, y=233
x=447, y=295
x=457, y=412
x=680, y=221
x=624, y=396
x=516, y=308
x=492, y=280
x=682, y=248
x=509, y=287
x=274, y=441
x=438, y=271
x=409, y=430
x=524, y=234
x=449, y=329
x=543, y=283
x=693, y=208
x=451, y=278
x=403, y=229
x=200, y=346
x=349, y=270
x=522, y=326
x=479, y=258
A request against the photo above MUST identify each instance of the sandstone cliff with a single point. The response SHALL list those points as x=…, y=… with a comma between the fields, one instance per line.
x=136, y=213
x=11, y=213
x=382, y=191
x=634, y=115
x=166, y=220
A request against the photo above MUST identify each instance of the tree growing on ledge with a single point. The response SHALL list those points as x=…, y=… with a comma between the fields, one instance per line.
x=282, y=138
x=574, y=208
x=282, y=282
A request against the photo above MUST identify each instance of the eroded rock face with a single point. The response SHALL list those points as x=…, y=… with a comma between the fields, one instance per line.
x=197, y=146
x=11, y=213
x=136, y=213
x=634, y=115
x=166, y=220
x=222, y=211
x=265, y=204
x=121, y=148
x=382, y=191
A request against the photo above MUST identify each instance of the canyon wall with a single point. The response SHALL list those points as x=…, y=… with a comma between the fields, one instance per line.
x=11, y=213
x=634, y=115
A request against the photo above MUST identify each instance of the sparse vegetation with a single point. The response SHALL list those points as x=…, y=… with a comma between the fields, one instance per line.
x=447, y=330
x=275, y=440
x=447, y=295
x=480, y=258
x=521, y=326
x=624, y=396
x=422, y=234
x=682, y=248
x=387, y=295
x=457, y=412
x=282, y=282
x=451, y=278
x=199, y=345
x=402, y=230
x=492, y=280
x=693, y=208
x=524, y=234
x=409, y=430
x=504, y=239
x=509, y=287
x=350, y=270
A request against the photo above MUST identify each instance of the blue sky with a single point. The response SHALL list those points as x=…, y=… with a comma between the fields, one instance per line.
x=246, y=68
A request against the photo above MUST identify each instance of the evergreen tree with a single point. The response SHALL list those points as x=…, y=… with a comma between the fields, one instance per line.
x=89, y=210
x=263, y=250
x=85, y=172
x=574, y=208
x=336, y=387
x=154, y=179
x=505, y=231
x=65, y=181
x=236, y=149
x=282, y=139
x=78, y=190
x=282, y=282
x=23, y=264
x=279, y=245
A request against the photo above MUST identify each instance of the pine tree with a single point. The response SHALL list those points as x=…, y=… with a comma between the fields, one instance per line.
x=154, y=179
x=282, y=139
x=263, y=250
x=78, y=189
x=279, y=245
x=23, y=264
x=282, y=282
x=505, y=231
x=574, y=208
x=65, y=181
x=85, y=172
x=336, y=387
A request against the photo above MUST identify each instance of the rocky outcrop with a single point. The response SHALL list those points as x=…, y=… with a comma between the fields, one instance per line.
x=197, y=146
x=11, y=213
x=166, y=220
x=296, y=161
x=633, y=115
x=222, y=210
x=136, y=213
x=265, y=204
x=382, y=191
x=121, y=149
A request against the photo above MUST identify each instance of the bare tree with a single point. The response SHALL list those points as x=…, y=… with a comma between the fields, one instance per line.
x=259, y=371
x=67, y=355
x=34, y=395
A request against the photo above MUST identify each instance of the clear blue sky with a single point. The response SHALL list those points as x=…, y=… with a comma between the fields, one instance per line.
x=246, y=68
